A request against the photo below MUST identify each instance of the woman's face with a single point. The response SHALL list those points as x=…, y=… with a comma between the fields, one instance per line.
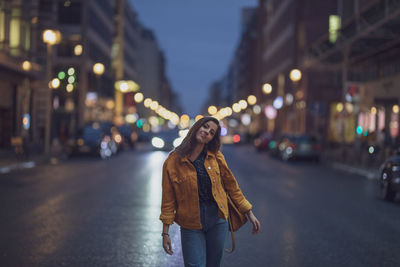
x=206, y=132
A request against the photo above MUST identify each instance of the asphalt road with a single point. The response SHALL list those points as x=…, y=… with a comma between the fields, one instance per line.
x=88, y=212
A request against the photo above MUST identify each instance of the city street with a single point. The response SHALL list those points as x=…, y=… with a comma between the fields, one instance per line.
x=89, y=212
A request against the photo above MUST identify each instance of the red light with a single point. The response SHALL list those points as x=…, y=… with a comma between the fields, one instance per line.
x=317, y=147
x=236, y=138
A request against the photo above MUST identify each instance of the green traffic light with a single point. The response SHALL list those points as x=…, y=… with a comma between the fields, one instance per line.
x=71, y=79
x=71, y=71
x=61, y=75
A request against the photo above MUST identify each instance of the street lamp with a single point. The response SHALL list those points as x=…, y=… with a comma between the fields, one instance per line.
x=252, y=100
x=50, y=38
x=98, y=69
x=243, y=104
x=295, y=75
x=26, y=65
x=78, y=49
x=138, y=97
x=124, y=87
x=212, y=110
x=267, y=88
x=236, y=107
x=395, y=109
x=55, y=83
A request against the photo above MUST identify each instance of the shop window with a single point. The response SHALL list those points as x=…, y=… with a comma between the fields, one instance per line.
x=381, y=119
x=394, y=125
x=2, y=25
x=20, y=33
x=25, y=36
x=15, y=34
x=366, y=123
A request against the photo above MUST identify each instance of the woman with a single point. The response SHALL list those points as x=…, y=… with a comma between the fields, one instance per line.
x=193, y=195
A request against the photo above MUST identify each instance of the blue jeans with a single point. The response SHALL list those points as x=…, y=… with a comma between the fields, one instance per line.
x=205, y=247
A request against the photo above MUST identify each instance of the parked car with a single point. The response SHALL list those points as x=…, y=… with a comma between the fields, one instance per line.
x=274, y=145
x=129, y=137
x=91, y=140
x=390, y=177
x=262, y=143
x=110, y=130
x=303, y=146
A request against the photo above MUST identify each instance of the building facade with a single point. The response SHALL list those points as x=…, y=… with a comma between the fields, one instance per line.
x=365, y=57
x=289, y=27
x=20, y=73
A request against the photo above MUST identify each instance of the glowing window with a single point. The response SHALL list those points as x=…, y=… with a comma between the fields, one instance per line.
x=334, y=27
x=2, y=24
x=15, y=32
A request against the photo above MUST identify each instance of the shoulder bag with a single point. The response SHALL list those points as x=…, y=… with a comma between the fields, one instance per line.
x=236, y=218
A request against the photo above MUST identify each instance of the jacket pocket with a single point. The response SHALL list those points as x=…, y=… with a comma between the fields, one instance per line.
x=178, y=179
x=181, y=186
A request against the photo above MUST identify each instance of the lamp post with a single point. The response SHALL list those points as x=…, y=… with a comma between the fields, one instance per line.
x=267, y=88
x=50, y=37
x=98, y=70
x=295, y=76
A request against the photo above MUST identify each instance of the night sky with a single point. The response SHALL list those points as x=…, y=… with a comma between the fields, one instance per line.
x=198, y=39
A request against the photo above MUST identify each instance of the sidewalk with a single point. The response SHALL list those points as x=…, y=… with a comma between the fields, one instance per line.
x=350, y=161
x=10, y=162
x=369, y=173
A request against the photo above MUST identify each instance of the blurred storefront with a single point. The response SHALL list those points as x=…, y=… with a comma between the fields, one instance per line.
x=301, y=95
x=19, y=75
x=362, y=50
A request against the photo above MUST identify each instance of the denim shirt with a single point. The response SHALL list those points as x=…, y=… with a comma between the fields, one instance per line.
x=203, y=180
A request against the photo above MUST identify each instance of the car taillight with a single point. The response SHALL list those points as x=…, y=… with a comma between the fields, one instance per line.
x=317, y=147
x=395, y=168
x=236, y=138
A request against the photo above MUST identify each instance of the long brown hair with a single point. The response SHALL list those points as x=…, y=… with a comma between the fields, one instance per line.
x=188, y=143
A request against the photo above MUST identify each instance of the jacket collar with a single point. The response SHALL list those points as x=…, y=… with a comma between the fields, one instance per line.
x=209, y=155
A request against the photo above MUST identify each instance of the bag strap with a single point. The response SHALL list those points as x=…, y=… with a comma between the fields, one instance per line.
x=230, y=227
x=229, y=220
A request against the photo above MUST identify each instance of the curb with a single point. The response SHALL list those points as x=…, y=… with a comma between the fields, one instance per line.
x=29, y=164
x=370, y=174
x=17, y=166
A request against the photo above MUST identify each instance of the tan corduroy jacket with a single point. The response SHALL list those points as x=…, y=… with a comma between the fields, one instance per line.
x=180, y=199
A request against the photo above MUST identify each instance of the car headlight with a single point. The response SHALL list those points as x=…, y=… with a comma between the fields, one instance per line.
x=80, y=142
x=395, y=168
x=157, y=142
x=103, y=144
x=117, y=138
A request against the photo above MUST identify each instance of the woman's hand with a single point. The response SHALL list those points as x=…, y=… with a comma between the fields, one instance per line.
x=166, y=243
x=254, y=221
